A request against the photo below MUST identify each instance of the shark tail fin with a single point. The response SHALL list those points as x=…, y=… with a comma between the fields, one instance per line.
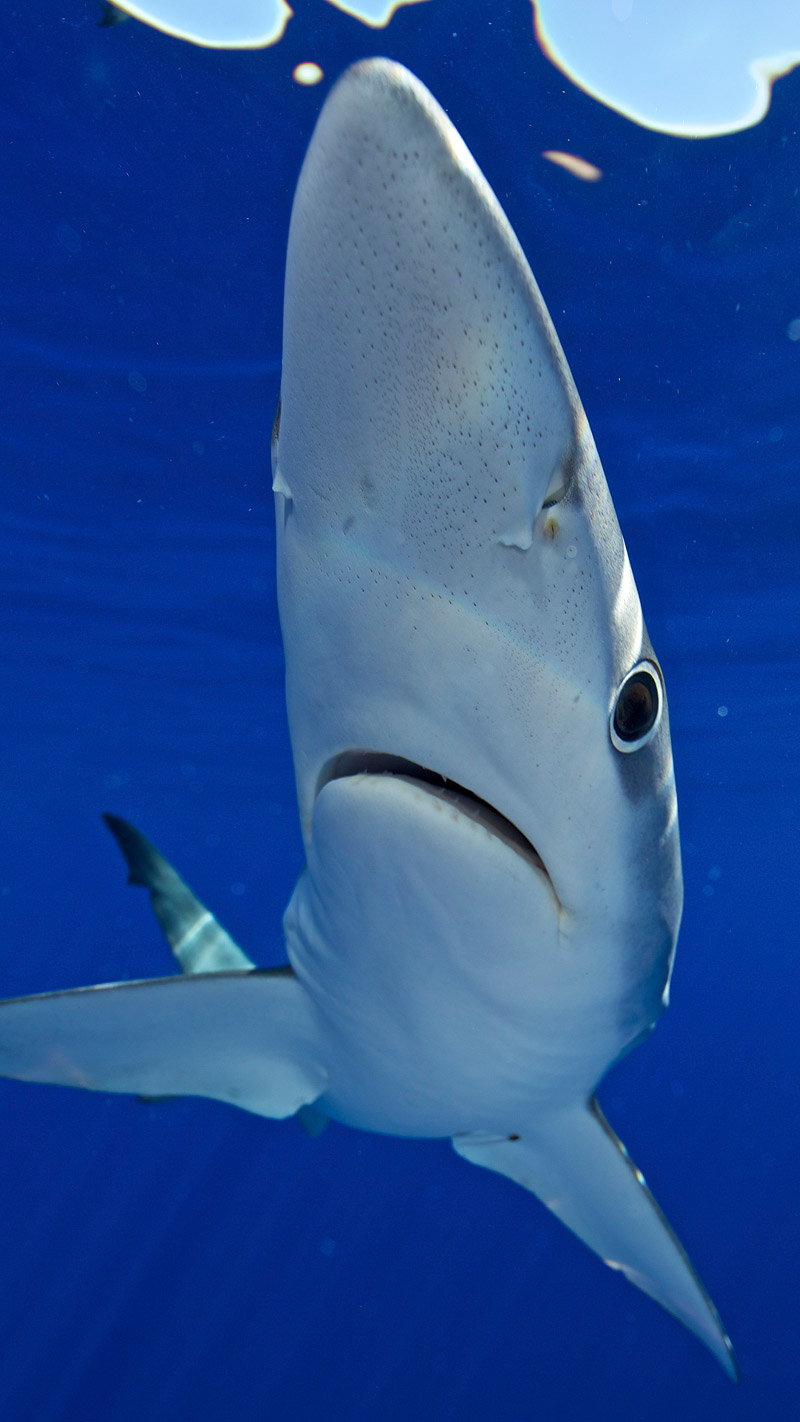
x=198, y=941
x=581, y=1171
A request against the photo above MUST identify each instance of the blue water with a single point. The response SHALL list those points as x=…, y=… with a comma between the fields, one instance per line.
x=187, y=1261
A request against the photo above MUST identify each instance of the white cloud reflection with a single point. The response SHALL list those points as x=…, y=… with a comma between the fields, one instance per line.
x=695, y=68
x=219, y=24
x=242, y=24
x=376, y=13
x=578, y=167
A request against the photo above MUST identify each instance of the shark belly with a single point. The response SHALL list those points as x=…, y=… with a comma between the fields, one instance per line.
x=450, y=991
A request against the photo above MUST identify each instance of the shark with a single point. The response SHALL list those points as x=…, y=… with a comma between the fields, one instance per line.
x=490, y=903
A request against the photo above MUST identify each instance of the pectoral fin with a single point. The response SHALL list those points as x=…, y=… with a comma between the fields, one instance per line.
x=578, y=1168
x=199, y=942
x=245, y=1038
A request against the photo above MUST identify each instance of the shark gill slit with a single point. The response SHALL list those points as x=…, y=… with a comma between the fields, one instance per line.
x=465, y=801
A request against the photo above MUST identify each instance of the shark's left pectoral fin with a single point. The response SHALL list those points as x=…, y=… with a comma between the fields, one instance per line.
x=199, y=942
x=245, y=1038
x=578, y=1167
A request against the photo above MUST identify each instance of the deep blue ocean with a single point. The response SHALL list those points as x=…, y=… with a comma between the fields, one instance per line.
x=186, y=1262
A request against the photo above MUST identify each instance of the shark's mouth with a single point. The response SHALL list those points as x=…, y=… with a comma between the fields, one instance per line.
x=466, y=802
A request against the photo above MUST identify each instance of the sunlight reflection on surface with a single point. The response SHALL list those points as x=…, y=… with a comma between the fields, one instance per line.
x=376, y=13
x=237, y=24
x=243, y=24
x=307, y=73
x=691, y=70
x=578, y=167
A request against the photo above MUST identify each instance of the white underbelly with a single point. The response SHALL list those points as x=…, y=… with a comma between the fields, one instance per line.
x=451, y=991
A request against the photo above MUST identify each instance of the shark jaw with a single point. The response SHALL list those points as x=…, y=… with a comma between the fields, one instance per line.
x=461, y=799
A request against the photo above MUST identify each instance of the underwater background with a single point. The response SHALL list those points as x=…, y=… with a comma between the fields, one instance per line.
x=188, y=1261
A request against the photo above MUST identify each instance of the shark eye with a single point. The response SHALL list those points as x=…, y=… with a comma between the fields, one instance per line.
x=637, y=709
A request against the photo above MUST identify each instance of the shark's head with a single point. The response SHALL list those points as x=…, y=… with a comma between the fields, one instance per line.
x=456, y=599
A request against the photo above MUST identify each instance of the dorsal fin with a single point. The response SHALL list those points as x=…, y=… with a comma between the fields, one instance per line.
x=198, y=941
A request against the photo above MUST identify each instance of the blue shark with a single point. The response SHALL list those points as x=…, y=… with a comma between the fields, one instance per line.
x=489, y=908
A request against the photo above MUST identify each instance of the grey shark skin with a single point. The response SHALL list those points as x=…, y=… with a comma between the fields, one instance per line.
x=488, y=914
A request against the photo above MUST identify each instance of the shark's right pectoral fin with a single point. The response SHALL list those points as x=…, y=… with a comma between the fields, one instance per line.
x=246, y=1038
x=576, y=1165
